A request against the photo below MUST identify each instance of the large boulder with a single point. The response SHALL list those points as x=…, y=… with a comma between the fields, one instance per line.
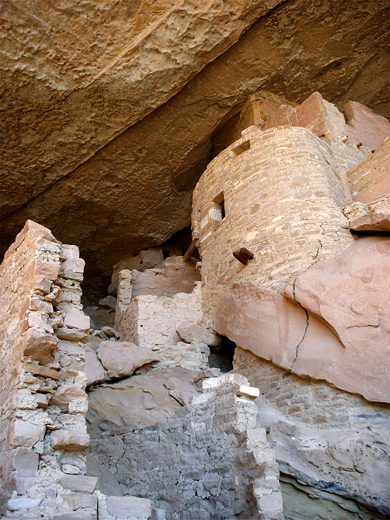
x=333, y=322
x=122, y=358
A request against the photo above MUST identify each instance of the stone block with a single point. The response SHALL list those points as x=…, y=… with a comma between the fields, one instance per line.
x=76, y=319
x=22, y=503
x=67, y=440
x=65, y=394
x=79, y=483
x=81, y=500
x=23, y=433
x=39, y=345
x=25, y=461
x=193, y=333
x=249, y=392
x=93, y=367
x=122, y=358
x=130, y=507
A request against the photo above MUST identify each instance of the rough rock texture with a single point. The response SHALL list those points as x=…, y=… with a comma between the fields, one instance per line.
x=42, y=383
x=142, y=400
x=209, y=462
x=371, y=178
x=374, y=216
x=281, y=190
x=332, y=447
x=340, y=329
x=122, y=358
x=152, y=321
x=74, y=161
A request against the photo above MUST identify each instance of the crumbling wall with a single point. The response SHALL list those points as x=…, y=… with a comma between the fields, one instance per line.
x=43, y=429
x=151, y=305
x=282, y=192
x=211, y=462
x=371, y=178
x=333, y=441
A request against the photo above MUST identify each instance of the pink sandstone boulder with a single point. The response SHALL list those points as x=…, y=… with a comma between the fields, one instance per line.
x=122, y=358
x=351, y=294
x=333, y=322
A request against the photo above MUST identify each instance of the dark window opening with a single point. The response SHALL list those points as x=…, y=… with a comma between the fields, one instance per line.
x=241, y=148
x=219, y=211
x=222, y=356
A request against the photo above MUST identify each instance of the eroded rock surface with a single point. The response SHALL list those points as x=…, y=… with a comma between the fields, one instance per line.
x=142, y=400
x=335, y=326
x=74, y=159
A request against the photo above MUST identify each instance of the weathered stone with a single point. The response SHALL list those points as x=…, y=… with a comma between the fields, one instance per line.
x=350, y=294
x=79, y=483
x=75, y=319
x=39, y=345
x=65, y=394
x=109, y=302
x=141, y=400
x=122, y=358
x=67, y=440
x=23, y=433
x=39, y=370
x=81, y=500
x=110, y=332
x=125, y=506
x=71, y=334
x=25, y=461
x=93, y=368
x=194, y=333
x=22, y=503
x=107, y=483
x=138, y=155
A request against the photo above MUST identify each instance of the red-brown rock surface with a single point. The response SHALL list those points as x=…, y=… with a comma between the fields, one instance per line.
x=338, y=329
x=110, y=111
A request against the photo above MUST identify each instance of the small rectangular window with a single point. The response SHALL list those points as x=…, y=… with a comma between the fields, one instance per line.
x=218, y=212
x=241, y=148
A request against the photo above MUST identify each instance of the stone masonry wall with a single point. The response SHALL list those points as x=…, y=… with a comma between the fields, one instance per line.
x=282, y=190
x=43, y=429
x=211, y=462
x=150, y=320
x=334, y=441
x=371, y=178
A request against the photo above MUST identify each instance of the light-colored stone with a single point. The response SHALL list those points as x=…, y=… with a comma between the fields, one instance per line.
x=65, y=394
x=75, y=319
x=122, y=358
x=132, y=507
x=67, y=440
x=22, y=503
x=93, y=368
x=25, y=433
x=81, y=500
x=194, y=333
x=79, y=483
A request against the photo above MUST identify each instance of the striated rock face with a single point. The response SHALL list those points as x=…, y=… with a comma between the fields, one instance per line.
x=340, y=329
x=87, y=159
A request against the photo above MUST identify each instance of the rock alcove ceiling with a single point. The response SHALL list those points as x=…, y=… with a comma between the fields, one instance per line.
x=110, y=110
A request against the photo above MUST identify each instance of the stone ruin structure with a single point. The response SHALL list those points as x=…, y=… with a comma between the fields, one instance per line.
x=115, y=412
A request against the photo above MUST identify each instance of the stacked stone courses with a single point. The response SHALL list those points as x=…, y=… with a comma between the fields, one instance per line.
x=282, y=198
x=43, y=429
x=211, y=462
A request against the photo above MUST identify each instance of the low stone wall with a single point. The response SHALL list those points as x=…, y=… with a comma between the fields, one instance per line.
x=332, y=441
x=151, y=321
x=211, y=462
